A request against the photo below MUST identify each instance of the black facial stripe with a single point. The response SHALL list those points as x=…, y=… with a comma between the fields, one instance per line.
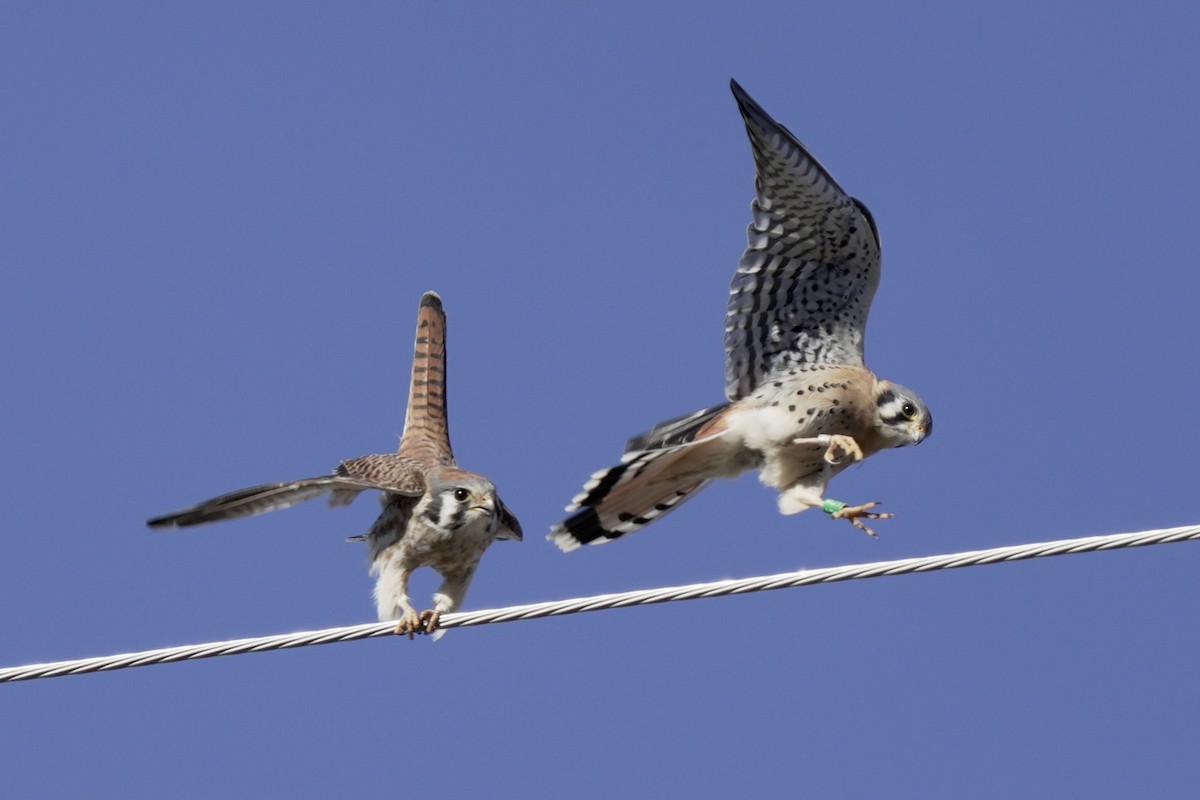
x=433, y=511
x=885, y=397
x=456, y=519
x=896, y=420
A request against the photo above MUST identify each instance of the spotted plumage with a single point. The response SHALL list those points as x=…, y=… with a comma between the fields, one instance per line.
x=802, y=406
x=434, y=514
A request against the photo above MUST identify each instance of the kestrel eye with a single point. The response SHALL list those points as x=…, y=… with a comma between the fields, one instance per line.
x=909, y=411
x=461, y=495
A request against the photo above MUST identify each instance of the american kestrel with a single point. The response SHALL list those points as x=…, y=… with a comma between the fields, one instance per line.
x=434, y=514
x=802, y=404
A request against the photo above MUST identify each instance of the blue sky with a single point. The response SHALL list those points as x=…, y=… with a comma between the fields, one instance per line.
x=218, y=219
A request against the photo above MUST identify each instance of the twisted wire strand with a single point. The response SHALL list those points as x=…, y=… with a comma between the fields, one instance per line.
x=602, y=602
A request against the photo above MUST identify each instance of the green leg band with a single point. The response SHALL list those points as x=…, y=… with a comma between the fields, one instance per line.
x=832, y=506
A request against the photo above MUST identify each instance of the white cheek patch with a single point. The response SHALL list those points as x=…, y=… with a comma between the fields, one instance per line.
x=451, y=513
x=892, y=413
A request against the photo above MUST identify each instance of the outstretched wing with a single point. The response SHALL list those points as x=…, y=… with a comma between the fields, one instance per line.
x=260, y=499
x=426, y=436
x=803, y=288
x=510, y=526
x=390, y=473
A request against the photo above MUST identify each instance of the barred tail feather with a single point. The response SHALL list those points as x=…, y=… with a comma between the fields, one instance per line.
x=612, y=520
x=592, y=526
x=426, y=429
x=643, y=487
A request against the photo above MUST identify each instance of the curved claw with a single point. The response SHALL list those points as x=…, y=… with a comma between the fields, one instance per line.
x=842, y=447
x=410, y=624
x=856, y=514
x=430, y=620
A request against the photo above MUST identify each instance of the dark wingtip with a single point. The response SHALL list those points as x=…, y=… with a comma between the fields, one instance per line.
x=180, y=519
x=510, y=521
x=755, y=116
x=752, y=113
x=747, y=104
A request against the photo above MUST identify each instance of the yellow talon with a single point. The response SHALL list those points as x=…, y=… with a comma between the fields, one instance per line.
x=856, y=515
x=409, y=624
x=841, y=446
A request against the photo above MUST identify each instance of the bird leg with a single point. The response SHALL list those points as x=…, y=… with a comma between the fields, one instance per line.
x=391, y=595
x=838, y=447
x=447, y=598
x=430, y=619
x=855, y=514
x=411, y=623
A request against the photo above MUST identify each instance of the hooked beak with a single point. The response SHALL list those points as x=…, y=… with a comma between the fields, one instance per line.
x=505, y=524
x=485, y=505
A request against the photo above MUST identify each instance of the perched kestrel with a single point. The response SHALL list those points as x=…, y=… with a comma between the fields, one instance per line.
x=802, y=404
x=434, y=514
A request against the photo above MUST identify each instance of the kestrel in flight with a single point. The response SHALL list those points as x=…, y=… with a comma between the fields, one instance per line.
x=802, y=404
x=434, y=514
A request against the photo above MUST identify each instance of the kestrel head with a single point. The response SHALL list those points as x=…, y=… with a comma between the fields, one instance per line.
x=457, y=499
x=901, y=416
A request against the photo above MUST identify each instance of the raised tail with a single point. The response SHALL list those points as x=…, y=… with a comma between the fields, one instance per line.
x=426, y=436
x=660, y=469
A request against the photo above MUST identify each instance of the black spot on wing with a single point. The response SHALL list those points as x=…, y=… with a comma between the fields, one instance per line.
x=804, y=285
x=755, y=115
